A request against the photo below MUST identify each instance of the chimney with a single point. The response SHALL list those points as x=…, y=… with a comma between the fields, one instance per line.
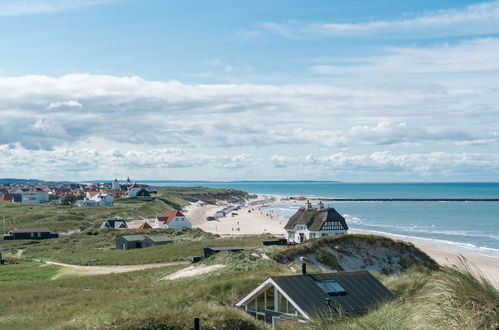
x=304, y=268
x=320, y=206
x=309, y=205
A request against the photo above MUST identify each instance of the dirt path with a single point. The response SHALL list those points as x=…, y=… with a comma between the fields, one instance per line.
x=101, y=270
x=192, y=271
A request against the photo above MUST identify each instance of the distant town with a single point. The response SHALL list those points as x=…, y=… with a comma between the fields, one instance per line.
x=79, y=194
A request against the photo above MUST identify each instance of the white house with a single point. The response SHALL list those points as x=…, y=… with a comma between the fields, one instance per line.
x=103, y=199
x=35, y=196
x=172, y=219
x=96, y=200
x=115, y=185
x=134, y=189
x=86, y=203
x=309, y=222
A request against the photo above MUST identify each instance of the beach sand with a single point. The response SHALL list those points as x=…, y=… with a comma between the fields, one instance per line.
x=252, y=220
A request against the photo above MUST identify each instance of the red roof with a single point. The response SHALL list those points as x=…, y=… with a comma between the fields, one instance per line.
x=145, y=225
x=30, y=230
x=170, y=215
x=134, y=186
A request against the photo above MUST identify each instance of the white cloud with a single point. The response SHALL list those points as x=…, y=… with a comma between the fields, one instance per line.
x=64, y=104
x=482, y=18
x=234, y=129
x=20, y=7
x=471, y=56
x=137, y=111
x=439, y=164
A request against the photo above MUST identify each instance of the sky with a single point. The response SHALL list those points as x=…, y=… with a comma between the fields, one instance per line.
x=359, y=91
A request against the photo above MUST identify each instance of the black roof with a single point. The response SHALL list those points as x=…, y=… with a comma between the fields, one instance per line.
x=315, y=218
x=363, y=291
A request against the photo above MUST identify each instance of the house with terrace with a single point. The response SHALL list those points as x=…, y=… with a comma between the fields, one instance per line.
x=309, y=222
x=299, y=298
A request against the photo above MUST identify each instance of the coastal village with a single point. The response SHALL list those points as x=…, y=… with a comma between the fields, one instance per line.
x=330, y=271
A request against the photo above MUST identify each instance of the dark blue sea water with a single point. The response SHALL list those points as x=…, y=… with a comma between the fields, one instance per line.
x=471, y=227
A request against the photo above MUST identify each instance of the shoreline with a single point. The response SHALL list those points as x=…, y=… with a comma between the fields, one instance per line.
x=253, y=220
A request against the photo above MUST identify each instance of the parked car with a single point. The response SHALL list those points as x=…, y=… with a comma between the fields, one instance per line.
x=195, y=259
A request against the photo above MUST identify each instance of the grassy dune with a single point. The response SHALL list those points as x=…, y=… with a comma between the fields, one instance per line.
x=451, y=298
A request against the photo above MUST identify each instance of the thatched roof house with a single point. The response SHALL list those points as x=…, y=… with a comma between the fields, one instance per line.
x=309, y=222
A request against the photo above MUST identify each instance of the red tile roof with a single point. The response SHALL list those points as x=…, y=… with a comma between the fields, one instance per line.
x=170, y=215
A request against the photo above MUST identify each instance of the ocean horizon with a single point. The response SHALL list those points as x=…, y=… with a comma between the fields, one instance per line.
x=470, y=227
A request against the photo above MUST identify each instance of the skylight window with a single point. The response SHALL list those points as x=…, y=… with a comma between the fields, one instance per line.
x=331, y=287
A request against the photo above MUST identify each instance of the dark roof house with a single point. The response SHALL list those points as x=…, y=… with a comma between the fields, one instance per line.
x=315, y=219
x=302, y=297
x=30, y=233
x=150, y=241
x=114, y=224
x=212, y=250
x=129, y=242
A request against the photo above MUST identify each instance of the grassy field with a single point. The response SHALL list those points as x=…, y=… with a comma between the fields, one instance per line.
x=98, y=248
x=33, y=297
x=29, y=271
x=446, y=299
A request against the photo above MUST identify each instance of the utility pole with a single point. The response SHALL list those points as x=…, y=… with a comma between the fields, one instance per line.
x=4, y=225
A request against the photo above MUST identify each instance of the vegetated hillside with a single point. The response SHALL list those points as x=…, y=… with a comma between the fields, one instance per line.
x=97, y=247
x=69, y=217
x=208, y=195
x=447, y=298
x=358, y=252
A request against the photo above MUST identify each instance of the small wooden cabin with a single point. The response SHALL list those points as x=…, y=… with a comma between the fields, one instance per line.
x=212, y=250
x=30, y=233
x=129, y=242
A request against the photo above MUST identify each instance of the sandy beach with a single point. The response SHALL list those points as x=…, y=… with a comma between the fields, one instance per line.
x=253, y=219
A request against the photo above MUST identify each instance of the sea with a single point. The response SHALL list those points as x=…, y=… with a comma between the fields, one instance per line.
x=471, y=226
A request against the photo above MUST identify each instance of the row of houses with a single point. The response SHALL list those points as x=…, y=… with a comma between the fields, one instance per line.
x=85, y=195
x=174, y=219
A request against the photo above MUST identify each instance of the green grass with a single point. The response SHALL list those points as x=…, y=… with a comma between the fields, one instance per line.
x=326, y=250
x=428, y=299
x=98, y=247
x=26, y=272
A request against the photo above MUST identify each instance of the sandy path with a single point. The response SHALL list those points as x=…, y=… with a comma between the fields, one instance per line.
x=101, y=270
x=193, y=271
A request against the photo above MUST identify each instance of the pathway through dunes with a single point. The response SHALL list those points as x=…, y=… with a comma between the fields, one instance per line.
x=193, y=271
x=101, y=270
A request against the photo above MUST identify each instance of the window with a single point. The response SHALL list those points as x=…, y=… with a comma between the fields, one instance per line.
x=312, y=235
x=291, y=308
x=282, y=303
x=260, y=303
x=331, y=287
x=269, y=299
x=324, y=234
x=252, y=305
x=39, y=234
x=32, y=235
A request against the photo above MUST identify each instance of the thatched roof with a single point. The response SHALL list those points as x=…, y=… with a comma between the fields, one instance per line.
x=315, y=218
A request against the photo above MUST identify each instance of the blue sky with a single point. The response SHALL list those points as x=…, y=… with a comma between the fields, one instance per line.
x=225, y=90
